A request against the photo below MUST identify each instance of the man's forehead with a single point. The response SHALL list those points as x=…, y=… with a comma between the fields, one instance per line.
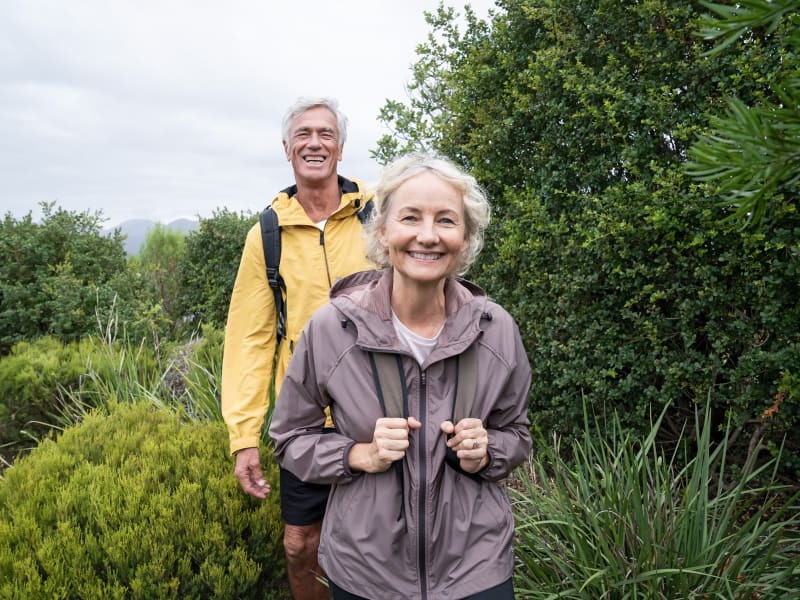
x=319, y=117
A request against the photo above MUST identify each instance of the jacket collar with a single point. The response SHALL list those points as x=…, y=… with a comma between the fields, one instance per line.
x=365, y=300
x=290, y=212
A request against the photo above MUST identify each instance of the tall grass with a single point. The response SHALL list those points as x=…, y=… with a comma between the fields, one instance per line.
x=184, y=377
x=620, y=520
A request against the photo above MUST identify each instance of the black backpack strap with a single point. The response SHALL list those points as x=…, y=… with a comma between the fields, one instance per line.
x=271, y=239
x=365, y=214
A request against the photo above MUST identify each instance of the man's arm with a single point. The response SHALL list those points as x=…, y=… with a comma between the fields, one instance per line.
x=249, y=348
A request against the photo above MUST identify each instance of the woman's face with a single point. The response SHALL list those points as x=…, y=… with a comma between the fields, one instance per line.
x=425, y=233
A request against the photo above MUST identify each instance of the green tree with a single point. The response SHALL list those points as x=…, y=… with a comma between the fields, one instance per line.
x=155, y=272
x=577, y=118
x=753, y=151
x=56, y=276
x=208, y=267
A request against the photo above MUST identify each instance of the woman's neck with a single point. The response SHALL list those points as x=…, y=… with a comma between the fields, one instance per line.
x=419, y=307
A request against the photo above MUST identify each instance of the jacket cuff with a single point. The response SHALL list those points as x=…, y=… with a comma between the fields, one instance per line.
x=345, y=467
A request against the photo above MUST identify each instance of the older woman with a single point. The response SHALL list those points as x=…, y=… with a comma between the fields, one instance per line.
x=416, y=510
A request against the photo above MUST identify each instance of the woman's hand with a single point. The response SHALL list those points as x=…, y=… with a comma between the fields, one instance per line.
x=389, y=444
x=470, y=442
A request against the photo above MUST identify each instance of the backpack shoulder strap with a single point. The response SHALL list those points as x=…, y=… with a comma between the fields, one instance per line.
x=390, y=383
x=466, y=382
x=271, y=240
x=365, y=213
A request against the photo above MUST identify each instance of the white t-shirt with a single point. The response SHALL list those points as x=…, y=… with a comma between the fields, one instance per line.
x=420, y=346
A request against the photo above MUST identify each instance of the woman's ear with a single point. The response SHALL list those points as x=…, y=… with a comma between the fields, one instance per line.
x=380, y=233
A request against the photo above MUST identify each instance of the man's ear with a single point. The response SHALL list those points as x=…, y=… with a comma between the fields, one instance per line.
x=286, y=150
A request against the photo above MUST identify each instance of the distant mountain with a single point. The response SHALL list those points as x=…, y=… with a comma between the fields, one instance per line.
x=137, y=230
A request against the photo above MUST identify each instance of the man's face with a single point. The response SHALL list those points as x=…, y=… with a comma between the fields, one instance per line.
x=313, y=145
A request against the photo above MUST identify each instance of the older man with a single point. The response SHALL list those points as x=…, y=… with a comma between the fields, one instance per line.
x=321, y=241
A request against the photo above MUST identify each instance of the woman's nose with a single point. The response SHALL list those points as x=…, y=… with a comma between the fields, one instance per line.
x=427, y=233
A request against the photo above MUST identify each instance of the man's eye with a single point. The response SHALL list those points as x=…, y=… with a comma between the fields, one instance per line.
x=408, y=218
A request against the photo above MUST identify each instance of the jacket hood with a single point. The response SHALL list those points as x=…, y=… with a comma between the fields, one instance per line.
x=364, y=299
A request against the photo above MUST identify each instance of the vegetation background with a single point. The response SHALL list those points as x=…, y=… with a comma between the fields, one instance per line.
x=643, y=162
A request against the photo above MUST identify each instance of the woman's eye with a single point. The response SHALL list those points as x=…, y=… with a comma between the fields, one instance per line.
x=408, y=218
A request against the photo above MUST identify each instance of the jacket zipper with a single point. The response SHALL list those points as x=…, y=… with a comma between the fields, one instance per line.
x=325, y=256
x=423, y=576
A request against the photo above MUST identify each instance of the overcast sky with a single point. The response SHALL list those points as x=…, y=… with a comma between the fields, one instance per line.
x=162, y=109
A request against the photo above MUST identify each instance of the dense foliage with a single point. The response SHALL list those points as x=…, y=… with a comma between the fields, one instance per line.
x=137, y=504
x=753, y=151
x=57, y=275
x=577, y=118
x=209, y=266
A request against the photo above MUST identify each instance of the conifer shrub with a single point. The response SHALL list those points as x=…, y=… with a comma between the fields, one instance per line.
x=138, y=503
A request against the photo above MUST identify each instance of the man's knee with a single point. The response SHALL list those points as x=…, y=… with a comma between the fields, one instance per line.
x=300, y=542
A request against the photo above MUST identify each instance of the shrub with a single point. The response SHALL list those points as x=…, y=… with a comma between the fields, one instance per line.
x=56, y=274
x=39, y=381
x=624, y=521
x=207, y=269
x=136, y=504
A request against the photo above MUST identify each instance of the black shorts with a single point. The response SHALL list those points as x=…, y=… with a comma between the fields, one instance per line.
x=302, y=503
x=504, y=591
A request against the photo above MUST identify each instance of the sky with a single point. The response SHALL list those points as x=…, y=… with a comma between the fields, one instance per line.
x=167, y=109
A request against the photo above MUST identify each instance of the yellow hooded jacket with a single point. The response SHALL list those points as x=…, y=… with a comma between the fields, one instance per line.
x=311, y=262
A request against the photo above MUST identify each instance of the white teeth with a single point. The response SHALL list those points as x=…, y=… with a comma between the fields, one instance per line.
x=315, y=159
x=424, y=255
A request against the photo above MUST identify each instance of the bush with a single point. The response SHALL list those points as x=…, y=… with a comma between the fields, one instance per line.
x=207, y=268
x=136, y=504
x=624, y=521
x=40, y=379
x=56, y=274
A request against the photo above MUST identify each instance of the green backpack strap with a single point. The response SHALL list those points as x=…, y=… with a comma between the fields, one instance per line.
x=466, y=383
x=390, y=383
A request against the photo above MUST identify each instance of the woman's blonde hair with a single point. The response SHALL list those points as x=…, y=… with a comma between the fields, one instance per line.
x=476, y=206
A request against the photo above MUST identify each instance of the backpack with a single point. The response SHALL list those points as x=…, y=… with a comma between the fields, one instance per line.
x=271, y=239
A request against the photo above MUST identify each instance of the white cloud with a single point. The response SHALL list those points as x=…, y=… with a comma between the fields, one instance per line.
x=171, y=108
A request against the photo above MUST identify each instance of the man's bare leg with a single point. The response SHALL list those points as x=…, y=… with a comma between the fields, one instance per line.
x=300, y=542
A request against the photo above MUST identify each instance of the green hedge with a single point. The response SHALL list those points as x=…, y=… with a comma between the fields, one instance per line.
x=137, y=504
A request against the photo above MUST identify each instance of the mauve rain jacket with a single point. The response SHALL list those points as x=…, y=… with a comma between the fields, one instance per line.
x=434, y=533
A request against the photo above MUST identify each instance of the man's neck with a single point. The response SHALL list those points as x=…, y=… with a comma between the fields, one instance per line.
x=319, y=201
